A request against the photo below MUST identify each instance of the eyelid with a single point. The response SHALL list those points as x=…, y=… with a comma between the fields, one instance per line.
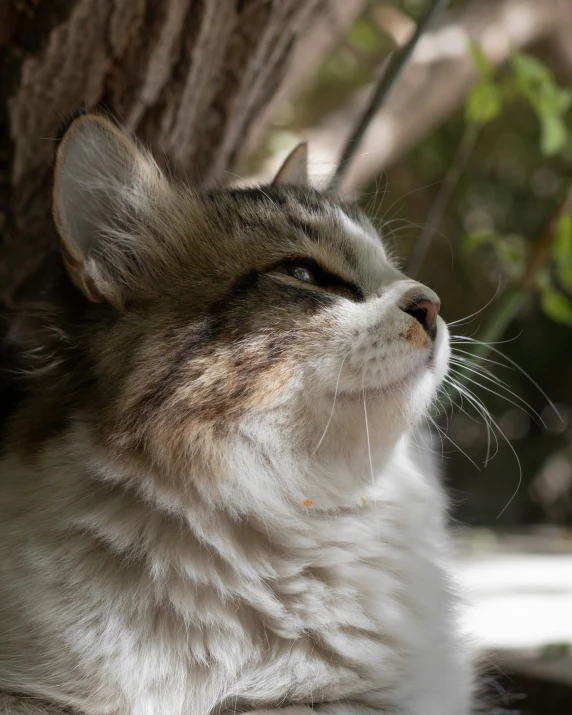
x=284, y=266
x=324, y=278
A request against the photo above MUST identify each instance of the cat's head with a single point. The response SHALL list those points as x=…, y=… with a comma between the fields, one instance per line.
x=268, y=319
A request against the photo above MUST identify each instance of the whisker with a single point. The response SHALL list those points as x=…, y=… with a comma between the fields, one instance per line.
x=468, y=318
x=333, y=404
x=461, y=406
x=464, y=364
x=530, y=411
x=481, y=410
x=513, y=450
x=368, y=440
x=425, y=447
x=446, y=436
x=520, y=369
x=460, y=339
x=480, y=358
x=401, y=197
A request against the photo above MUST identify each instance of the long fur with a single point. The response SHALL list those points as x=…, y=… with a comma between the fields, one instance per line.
x=209, y=497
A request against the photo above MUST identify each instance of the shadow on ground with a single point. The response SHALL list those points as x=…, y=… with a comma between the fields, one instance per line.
x=530, y=695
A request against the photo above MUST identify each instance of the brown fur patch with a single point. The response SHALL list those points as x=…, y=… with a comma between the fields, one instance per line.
x=197, y=333
x=416, y=336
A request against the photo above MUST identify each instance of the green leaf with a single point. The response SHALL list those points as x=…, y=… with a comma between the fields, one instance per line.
x=483, y=104
x=510, y=250
x=365, y=36
x=562, y=250
x=485, y=68
x=557, y=306
x=529, y=68
x=562, y=99
x=472, y=241
x=543, y=280
x=536, y=84
x=553, y=134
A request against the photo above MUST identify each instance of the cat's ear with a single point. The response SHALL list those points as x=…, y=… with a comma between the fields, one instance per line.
x=294, y=170
x=104, y=188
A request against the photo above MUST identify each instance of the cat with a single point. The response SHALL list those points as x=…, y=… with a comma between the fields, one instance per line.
x=210, y=498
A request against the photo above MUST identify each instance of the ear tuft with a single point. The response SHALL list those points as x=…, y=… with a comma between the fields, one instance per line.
x=104, y=188
x=294, y=170
x=78, y=112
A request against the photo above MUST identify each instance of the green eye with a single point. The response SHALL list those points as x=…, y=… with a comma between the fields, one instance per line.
x=301, y=273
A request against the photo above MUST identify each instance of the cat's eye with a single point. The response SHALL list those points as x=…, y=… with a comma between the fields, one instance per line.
x=301, y=273
x=308, y=271
x=300, y=270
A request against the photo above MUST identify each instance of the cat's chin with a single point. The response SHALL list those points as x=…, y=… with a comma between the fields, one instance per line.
x=392, y=389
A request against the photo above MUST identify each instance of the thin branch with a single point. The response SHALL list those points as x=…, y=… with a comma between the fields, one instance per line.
x=391, y=72
x=543, y=245
x=512, y=302
x=446, y=190
x=514, y=299
x=508, y=307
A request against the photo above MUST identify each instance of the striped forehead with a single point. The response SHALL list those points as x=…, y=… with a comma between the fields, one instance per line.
x=348, y=232
x=342, y=228
x=364, y=237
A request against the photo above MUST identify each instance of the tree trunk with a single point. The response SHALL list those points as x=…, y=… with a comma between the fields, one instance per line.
x=195, y=79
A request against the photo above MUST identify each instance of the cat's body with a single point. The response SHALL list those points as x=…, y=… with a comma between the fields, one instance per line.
x=209, y=500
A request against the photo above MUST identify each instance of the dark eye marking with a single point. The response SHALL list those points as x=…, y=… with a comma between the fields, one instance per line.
x=309, y=271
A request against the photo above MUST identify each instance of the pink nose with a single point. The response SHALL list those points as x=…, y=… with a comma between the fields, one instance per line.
x=424, y=310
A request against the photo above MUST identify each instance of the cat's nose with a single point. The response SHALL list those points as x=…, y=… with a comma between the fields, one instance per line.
x=422, y=304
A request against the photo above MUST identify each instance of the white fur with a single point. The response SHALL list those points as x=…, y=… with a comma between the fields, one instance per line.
x=121, y=597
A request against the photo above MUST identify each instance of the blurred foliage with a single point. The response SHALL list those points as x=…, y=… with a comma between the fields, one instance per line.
x=516, y=178
x=528, y=80
x=554, y=651
x=556, y=288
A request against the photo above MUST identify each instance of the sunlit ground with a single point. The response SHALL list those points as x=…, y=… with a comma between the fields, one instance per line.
x=519, y=603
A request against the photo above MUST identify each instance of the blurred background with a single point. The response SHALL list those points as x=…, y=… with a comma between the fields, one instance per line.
x=474, y=143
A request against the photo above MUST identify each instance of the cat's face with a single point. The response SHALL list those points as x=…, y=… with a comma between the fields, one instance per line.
x=273, y=311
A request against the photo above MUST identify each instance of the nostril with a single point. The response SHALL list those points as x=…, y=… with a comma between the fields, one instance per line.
x=420, y=314
x=425, y=312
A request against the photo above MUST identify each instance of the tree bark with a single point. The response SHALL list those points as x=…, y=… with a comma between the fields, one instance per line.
x=195, y=79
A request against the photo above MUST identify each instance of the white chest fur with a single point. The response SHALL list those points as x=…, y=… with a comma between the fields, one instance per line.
x=127, y=608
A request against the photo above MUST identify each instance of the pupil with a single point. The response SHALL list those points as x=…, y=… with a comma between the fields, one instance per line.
x=301, y=274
